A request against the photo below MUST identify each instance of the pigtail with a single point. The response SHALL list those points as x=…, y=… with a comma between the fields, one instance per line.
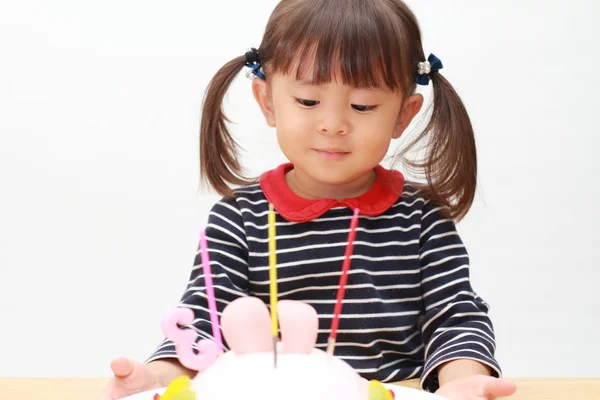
x=450, y=165
x=219, y=153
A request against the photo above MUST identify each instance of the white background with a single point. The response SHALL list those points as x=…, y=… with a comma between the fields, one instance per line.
x=100, y=207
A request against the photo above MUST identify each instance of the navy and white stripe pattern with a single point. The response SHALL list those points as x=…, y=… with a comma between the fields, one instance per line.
x=409, y=304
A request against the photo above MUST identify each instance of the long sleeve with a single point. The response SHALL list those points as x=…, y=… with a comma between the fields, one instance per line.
x=455, y=324
x=228, y=251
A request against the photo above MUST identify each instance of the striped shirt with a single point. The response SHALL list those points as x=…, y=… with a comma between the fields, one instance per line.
x=409, y=305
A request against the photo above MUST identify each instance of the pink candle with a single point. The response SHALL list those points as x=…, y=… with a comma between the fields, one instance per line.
x=210, y=291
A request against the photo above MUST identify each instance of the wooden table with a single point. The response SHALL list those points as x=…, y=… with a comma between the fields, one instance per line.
x=90, y=388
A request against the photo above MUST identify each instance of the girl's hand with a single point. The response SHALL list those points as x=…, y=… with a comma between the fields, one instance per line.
x=130, y=378
x=476, y=387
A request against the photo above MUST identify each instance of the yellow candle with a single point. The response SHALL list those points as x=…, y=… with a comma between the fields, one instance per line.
x=273, y=275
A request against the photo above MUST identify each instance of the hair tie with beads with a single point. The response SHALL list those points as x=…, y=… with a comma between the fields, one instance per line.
x=254, y=65
x=426, y=67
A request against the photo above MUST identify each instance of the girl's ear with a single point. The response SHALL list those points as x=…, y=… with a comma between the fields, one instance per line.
x=412, y=106
x=262, y=94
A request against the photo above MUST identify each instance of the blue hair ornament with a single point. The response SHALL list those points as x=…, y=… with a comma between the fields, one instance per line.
x=253, y=62
x=426, y=67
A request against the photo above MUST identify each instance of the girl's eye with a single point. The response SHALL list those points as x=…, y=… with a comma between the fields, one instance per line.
x=360, y=108
x=307, y=103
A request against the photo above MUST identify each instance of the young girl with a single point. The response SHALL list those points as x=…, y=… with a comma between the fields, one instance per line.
x=337, y=80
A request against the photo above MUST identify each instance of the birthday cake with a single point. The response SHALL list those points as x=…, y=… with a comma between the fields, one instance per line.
x=258, y=364
x=253, y=369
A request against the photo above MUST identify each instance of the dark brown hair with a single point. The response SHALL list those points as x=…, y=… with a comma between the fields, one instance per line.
x=365, y=43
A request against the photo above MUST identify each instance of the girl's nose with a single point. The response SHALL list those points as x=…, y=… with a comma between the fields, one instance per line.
x=334, y=123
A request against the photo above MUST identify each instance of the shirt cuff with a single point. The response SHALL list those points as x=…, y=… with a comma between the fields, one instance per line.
x=469, y=350
x=165, y=350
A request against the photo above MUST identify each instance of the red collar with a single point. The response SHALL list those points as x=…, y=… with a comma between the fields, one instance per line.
x=380, y=197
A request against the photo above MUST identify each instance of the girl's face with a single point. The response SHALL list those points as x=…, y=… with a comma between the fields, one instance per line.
x=333, y=134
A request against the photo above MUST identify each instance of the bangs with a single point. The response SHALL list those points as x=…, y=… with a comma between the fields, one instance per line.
x=352, y=41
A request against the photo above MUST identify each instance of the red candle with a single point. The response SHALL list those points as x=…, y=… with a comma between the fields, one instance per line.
x=343, y=280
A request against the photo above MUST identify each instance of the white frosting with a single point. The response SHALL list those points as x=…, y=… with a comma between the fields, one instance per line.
x=297, y=377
